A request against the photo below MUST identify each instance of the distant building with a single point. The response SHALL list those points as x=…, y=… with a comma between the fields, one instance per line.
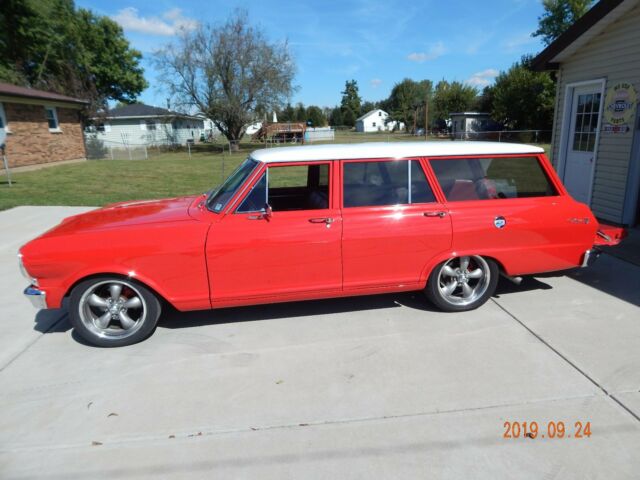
x=139, y=124
x=465, y=124
x=40, y=126
x=377, y=121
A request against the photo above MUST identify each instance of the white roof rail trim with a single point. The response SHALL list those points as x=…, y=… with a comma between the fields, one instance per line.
x=390, y=150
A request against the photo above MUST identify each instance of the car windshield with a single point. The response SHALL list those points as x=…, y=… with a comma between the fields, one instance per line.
x=219, y=197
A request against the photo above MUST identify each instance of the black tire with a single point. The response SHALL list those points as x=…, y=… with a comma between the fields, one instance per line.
x=437, y=284
x=129, y=320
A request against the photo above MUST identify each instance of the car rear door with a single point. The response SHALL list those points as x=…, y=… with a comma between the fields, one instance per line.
x=291, y=252
x=392, y=223
x=513, y=208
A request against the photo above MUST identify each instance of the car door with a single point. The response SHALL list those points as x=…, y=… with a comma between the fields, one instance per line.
x=512, y=209
x=392, y=223
x=291, y=249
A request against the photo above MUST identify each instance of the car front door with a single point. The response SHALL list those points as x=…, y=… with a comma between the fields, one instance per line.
x=290, y=250
x=393, y=225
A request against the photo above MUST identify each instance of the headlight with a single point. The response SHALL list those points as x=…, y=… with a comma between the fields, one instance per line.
x=24, y=272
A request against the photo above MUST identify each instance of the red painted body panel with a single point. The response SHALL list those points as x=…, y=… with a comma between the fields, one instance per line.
x=157, y=243
x=197, y=259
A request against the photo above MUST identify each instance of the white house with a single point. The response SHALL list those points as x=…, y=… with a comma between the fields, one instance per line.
x=139, y=124
x=377, y=121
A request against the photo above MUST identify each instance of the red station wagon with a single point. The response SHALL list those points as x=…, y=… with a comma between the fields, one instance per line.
x=314, y=222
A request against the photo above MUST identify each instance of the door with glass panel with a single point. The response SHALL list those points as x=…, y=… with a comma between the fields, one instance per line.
x=392, y=223
x=581, y=143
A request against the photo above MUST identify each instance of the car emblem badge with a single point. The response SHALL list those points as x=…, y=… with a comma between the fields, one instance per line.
x=499, y=222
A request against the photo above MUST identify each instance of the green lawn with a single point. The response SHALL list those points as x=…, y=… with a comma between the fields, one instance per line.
x=98, y=182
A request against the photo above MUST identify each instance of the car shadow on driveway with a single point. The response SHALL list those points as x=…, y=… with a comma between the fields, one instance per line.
x=57, y=321
x=173, y=318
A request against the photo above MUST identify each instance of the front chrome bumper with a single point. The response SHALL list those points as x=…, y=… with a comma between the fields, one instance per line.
x=590, y=256
x=37, y=297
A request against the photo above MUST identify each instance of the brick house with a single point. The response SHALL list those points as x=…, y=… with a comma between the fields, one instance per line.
x=41, y=127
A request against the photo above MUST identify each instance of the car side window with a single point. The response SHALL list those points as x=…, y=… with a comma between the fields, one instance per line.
x=257, y=198
x=290, y=188
x=388, y=182
x=492, y=178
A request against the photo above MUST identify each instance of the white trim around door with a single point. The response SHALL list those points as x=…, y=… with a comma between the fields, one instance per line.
x=566, y=127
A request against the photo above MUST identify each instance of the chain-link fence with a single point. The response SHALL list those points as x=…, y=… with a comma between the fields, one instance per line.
x=98, y=149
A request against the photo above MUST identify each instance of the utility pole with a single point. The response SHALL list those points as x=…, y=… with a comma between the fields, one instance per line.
x=426, y=116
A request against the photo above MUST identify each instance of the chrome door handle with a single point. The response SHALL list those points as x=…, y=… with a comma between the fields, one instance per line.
x=435, y=214
x=326, y=220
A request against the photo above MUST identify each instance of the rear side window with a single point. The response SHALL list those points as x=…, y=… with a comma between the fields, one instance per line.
x=492, y=178
x=392, y=182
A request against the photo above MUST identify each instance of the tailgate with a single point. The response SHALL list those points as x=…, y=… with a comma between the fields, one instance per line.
x=608, y=235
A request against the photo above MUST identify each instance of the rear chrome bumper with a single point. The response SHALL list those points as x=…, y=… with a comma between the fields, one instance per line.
x=37, y=297
x=590, y=256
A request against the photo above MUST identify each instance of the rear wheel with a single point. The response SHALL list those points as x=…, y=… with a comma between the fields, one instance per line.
x=462, y=283
x=113, y=312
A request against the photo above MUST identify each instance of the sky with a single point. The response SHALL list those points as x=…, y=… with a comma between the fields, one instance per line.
x=376, y=42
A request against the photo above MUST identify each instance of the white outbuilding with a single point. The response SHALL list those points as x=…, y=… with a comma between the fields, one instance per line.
x=377, y=121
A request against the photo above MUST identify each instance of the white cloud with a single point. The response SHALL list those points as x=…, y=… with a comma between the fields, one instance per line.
x=482, y=79
x=375, y=82
x=518, y=42
x=172, y=22
x=436, y=50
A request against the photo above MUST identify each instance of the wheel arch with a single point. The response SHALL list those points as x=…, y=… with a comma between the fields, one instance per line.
x=135, y=278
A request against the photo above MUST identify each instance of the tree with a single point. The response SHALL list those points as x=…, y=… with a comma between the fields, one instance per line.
x=366, y=107
x=336, y=119
x=348, y=117
x=452, y=97
x=315, y=115
x=350, y=98
x=230, y=73
x=287, y=114
x=300, y=113
x=523, y=99
x=558, y=16
x=407, y=101
x=48, y=44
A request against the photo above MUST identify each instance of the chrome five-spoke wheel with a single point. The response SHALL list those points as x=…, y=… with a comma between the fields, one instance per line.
x=113, y=311
x=462, y=283
x=112, y=308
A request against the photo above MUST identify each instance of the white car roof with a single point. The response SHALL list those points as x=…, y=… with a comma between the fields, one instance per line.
x=390, y=150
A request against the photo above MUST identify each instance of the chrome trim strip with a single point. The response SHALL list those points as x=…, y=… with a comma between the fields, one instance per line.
x=37, y=297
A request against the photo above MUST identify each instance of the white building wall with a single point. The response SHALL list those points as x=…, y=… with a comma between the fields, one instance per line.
x=615, y=56
x=149, y=131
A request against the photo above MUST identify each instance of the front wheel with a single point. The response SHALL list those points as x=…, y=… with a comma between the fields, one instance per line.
x=462, y=283
x=112, y=311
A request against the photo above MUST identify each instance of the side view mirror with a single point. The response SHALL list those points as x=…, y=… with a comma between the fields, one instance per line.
x=265, y=214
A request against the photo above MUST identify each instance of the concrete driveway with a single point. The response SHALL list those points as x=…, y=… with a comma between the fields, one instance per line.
x=372, y=387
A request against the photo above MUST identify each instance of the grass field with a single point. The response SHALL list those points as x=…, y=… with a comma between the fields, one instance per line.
x=98, y=182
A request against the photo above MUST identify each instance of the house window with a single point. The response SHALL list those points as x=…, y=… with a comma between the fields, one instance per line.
x=151, y=124
x=374, y=124
x=3, y=119
x=586, y=126
x=52, y=119
x=379, y=114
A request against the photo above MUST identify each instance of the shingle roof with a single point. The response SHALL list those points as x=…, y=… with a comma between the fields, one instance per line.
x=10, y=90
x=142, y=110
